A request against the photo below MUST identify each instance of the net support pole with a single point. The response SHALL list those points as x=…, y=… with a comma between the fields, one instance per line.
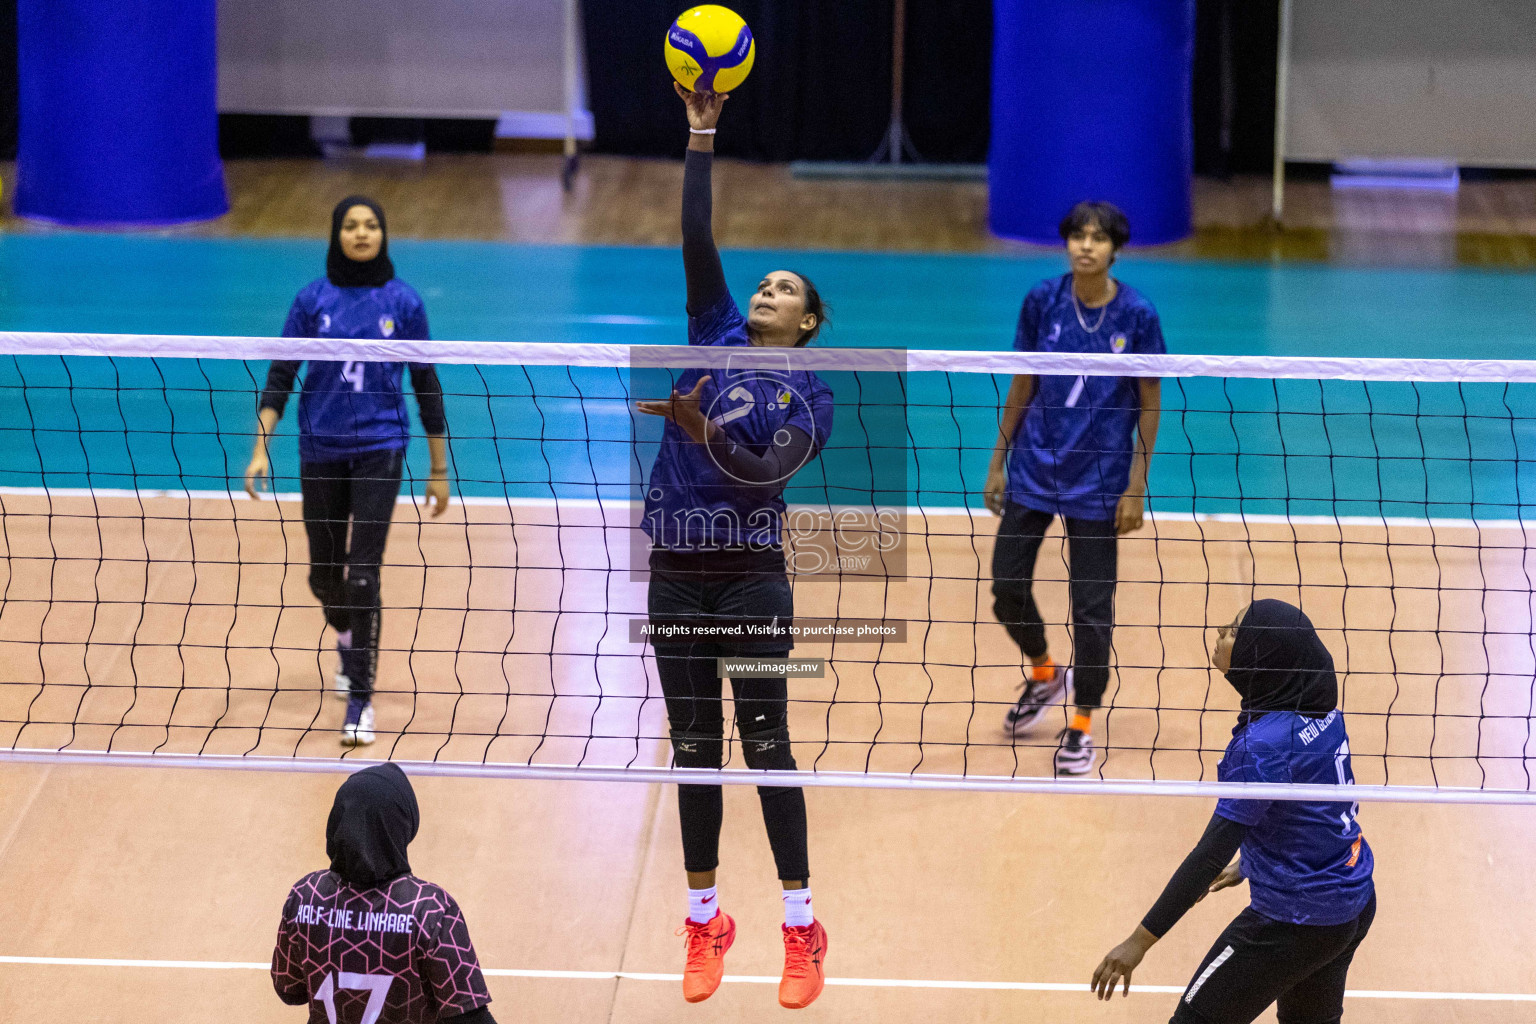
x=1282, y=111
x=571, y=42
x=897, y=144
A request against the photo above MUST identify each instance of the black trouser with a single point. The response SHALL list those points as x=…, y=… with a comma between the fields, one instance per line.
x=1093, y=550
x=693, y=690
x=343, y=575
x=1258, y=961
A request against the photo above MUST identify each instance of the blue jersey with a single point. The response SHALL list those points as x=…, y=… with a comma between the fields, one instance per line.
x=692, y=504
x=1306, y=863
x=349, y=408
x=1072, y=451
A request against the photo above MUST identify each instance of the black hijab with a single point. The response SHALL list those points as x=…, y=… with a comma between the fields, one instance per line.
x=343, y=270
x=372, y=821
x=1280, y=664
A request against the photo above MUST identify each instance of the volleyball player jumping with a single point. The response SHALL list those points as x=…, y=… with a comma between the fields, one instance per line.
x=367, y=941
x=1079, y=448
x=1309, y=868
x=353, y=429
x=713, y=510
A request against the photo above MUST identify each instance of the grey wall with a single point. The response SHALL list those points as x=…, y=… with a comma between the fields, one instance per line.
x=1421, y=78
x=407, y=58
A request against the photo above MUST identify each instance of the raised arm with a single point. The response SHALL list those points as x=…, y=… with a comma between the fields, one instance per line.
x=701, y=258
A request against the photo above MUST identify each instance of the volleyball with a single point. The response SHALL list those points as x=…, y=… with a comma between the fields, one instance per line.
x=710, y=49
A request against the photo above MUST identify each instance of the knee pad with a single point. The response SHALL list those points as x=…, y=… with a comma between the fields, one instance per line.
x=768, y=749
x=697, y=750
x=362, y=587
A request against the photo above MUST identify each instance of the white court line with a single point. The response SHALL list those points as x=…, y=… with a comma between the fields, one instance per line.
x=762, y=979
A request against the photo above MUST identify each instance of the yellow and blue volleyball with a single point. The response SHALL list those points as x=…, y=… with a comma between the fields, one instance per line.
x=710, y=49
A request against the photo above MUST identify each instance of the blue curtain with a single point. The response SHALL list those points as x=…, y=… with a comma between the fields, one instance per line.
x=119, y=116
x=1091, y=100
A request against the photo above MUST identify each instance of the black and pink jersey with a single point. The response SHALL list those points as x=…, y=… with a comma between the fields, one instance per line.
x=395, y=954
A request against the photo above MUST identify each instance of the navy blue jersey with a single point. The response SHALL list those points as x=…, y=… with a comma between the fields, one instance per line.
x=349, y=408
x=1306, y=863
x=691, y=503
x=1072, y=451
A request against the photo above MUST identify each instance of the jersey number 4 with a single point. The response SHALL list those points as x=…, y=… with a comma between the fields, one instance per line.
x=1346, y=778
x=352, y=373
x=376, y=985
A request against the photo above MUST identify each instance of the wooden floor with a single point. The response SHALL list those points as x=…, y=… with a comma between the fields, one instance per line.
x=196, y=614
x=191, y=629
x=622, y=201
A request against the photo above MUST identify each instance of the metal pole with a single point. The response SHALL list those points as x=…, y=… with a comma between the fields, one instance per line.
x=1282, y=106
x=568, y=171
x=898, y=130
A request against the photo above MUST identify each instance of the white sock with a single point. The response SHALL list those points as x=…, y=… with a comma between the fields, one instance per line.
x=344, y=638
x=702, y=905
x=797, y=907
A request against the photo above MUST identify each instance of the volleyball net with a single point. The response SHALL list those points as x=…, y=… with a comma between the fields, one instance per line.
x=152, y=612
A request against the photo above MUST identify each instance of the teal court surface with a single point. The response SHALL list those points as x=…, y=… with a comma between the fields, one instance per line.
x=1297, y=448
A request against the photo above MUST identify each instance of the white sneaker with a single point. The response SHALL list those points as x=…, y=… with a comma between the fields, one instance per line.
x=358, y=730
x=1076, y=755
x=1036, y=700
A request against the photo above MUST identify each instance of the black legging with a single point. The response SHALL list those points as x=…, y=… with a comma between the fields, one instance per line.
x=1092, y=548
x=345, y=576
x=693, y=690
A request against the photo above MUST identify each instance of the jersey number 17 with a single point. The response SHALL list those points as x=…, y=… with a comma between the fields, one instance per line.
x=376, y=985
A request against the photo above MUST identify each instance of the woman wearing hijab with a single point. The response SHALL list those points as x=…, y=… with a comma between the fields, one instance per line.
x=1307, y=864
x=353, y=430
x=367, y=942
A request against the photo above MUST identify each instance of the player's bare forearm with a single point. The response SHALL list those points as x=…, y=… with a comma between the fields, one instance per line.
x=1146, y=433
x=266, y=422
x=437, y=446
x=1019, y=394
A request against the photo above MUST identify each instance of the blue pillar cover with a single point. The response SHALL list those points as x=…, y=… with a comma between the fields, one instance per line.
x=119, y=112
x=1091, y=100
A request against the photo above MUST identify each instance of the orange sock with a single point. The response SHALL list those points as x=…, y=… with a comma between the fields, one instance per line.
x=1043, y=672
x=1082, y=723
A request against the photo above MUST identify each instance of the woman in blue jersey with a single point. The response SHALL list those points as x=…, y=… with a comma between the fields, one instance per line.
x=1078, y=448
x=353, y=429
x=1307, y=864
x=713, y=510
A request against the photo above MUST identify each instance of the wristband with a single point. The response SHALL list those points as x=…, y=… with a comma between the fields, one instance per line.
x=701, y=131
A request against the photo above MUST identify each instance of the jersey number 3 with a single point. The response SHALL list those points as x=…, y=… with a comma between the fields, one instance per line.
x=1346, y=778
x=352, y=373
x=376, y=985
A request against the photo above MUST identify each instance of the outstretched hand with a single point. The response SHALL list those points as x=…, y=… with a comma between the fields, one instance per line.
x=683, y=410
x=1118, y=963
x=703, y=107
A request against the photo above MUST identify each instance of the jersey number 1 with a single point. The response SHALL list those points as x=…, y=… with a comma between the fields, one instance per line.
x=376, y=985
x=1346, y=778
x=352, y=373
